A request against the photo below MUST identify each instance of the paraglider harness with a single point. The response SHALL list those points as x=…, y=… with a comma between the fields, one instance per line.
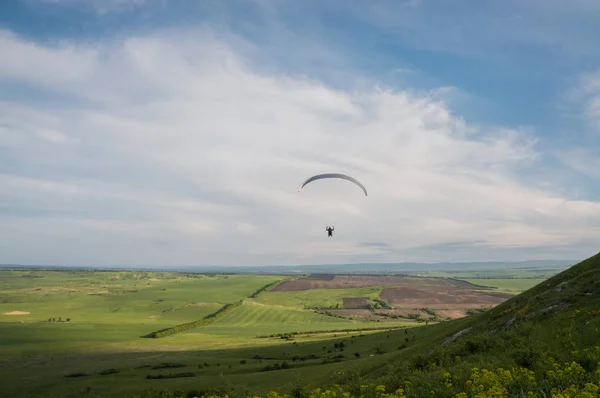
x=329, y=231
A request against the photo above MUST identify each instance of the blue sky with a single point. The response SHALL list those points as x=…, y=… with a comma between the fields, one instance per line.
x=164, y=132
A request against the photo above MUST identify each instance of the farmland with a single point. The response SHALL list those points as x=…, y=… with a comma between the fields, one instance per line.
x=59, y=323
x=510, y=286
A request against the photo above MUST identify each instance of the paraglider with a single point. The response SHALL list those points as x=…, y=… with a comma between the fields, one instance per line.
x=333, y=175
x=330, y=231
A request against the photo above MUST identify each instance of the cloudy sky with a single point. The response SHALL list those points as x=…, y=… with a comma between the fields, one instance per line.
x=157, y=132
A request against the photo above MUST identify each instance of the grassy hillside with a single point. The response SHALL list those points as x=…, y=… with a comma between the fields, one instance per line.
x=544, y=342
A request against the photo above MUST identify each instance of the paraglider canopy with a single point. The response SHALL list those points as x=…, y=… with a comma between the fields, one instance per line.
x=333, y=175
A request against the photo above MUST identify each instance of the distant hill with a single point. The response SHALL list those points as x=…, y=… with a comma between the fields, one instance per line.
x=361, y=268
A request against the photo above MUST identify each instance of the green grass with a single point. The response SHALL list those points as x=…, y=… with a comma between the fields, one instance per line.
x=321, y=298
x=163, y=299
x=109, y=311
x=108, y=306
x=35, y=356
x=512, y=286
x=254, y=318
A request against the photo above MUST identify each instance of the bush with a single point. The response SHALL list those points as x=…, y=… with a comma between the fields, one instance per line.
x=77, y=375
x=479, y=344
x=109, y=372
x=171, y=376
x=166, y=365
x=526, y=358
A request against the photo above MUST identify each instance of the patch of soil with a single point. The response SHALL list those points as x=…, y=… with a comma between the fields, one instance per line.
x=16, y=313
x=356, y=302
x=452, y=314
x=319, y=277
x=100, y=293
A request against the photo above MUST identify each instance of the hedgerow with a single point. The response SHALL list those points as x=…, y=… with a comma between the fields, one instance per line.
x=207, y=320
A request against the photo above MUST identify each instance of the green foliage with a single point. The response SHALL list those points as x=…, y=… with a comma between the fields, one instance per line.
x=108, y=372
x=166, y=365
x=171, y=375
x=382, y=303
x=275, y=366
x=78, y=374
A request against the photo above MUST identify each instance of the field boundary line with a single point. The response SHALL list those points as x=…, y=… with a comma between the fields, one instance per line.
x=272, y=285
x=390, y=328
x=210, y=318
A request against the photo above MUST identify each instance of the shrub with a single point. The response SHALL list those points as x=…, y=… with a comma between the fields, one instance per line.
x=171, y=376
x=166, y=365
x=109, y=372
x=77, y=375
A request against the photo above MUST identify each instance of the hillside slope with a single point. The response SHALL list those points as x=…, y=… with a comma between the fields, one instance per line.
x=547, y=336
x=544, y=342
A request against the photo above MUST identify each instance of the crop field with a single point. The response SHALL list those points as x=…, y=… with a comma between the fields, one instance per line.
x=316, y=297
x=512, y=273
x=94, y=326
x=510, y=286
x=406, y=294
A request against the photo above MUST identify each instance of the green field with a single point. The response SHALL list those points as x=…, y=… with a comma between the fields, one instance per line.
x=109, y=312
x=511, y=273
x=106, y=307
x=512, y=286
x=321, y=298
x=55, y=323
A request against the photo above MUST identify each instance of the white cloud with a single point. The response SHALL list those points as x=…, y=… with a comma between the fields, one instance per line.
x=581, y=160
x=181, y=153
x=51, y=135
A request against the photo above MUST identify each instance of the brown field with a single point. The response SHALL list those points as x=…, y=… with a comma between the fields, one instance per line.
x=320, y=277
x=356, y=302
x=452, y=314
x=352, y=281
x=405, y=293
x=441, y=297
